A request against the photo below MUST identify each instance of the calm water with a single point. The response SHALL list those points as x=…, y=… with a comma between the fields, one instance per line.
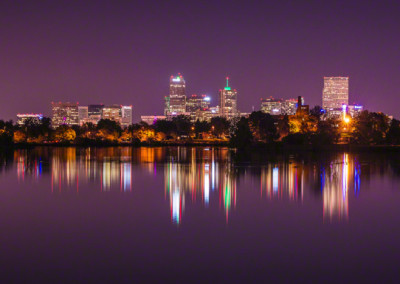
x=198, y=214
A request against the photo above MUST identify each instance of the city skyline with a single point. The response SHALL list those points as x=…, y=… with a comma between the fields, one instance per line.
x=122, y=53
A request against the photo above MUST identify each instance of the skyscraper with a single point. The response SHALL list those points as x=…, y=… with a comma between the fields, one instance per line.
x=335, y=92
x=175, y=103
x=228, y=101
x=64, y=113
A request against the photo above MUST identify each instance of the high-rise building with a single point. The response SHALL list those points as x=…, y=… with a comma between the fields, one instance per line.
x=228, y=101
x=112, y=112
x=83, y=114
x=175, y=103
x=126, y=113
x=22, y=117
x=335, y=92
x=64, y=114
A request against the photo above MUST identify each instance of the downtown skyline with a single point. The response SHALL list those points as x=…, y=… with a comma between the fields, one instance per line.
x=124, y=53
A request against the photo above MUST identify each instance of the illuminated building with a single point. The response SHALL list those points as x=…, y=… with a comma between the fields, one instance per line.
x=301, y=108
x=289, y=106
x=335, y=92
x=228, y=101
x=151, y=119
x=354, y=110
x=271, y=106
x=94, y=113
x=22, y=117
x=198, y=107
x=126, y=113
x=64, y=114
x=195, y=102
x=279, y=106
x=175, y=103
x=83, y=114
x=112, y=113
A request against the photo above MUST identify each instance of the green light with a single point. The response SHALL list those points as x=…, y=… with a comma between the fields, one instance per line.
x=228, y=88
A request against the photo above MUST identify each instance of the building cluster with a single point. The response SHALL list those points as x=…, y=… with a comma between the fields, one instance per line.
x=197, y=107
x=65, y=113
x=335, y=101
x=74, y=114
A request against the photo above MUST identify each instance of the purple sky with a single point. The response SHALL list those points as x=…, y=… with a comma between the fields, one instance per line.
x=124, y=53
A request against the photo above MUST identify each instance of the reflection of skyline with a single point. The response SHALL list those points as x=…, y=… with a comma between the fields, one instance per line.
x=207, y=176
x=198, y=178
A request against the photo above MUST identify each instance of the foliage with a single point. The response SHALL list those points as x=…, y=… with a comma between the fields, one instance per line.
x=370, y=128
x=263, y=126
x=219, y=126
x=243, y=136
x=64, y=133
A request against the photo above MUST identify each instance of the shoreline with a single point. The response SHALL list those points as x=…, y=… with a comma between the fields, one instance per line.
x=278, y=147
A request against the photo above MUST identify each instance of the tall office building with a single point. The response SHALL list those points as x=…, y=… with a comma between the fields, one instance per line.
x=64, y=114
x=335, y=92
x=126, y=113
x=175, y=103
x=112, y=112
x=228, y=101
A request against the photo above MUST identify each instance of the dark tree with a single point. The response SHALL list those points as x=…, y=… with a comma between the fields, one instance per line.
x=182, y=124
x=393, y=135
x=242, y=138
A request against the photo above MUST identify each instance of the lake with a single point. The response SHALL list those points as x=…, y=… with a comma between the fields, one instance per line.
x=196, y=214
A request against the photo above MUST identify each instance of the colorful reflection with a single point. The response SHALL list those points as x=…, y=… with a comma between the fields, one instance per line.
x=198, y=178
x=205, y=176
x=282, y=181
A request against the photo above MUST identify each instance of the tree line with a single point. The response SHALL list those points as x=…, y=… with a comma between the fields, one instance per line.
x=368, y=128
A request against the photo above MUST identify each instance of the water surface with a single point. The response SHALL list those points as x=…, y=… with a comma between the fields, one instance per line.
x=195, y=214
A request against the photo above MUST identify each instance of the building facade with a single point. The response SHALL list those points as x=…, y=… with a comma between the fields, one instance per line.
x=22, y=117
x=126, y=113
x=64, y=114
x=228, y=101
x=94, y=113
x=151, y=119
x=175, y=102
x=112, y=112
x=83, y=114
x=271, y=106
x=335, y=92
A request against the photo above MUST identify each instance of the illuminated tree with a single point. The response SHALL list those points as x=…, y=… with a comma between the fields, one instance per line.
x=19, y=136
x=64, y=133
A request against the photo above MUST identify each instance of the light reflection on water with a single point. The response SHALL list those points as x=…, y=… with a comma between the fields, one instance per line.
x=198, y=175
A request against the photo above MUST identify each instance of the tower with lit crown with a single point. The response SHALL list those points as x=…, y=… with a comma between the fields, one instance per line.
x=228, y=101
x=175, y=102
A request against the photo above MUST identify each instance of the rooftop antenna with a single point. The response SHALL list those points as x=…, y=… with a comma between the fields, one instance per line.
x=227, y=81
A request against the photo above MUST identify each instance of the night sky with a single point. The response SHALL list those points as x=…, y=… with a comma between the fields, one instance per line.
x=115, y=52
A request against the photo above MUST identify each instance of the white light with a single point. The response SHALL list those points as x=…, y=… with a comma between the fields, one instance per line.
x=207, y=99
